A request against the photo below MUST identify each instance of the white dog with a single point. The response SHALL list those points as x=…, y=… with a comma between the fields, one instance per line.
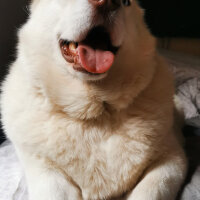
x=88, y=104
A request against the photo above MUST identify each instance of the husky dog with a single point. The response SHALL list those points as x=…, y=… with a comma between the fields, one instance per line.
x=88, y=104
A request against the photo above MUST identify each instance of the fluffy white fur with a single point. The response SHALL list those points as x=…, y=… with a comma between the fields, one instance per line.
x=83, y=137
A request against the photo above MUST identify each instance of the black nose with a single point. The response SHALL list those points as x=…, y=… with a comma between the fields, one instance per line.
x=107, y=4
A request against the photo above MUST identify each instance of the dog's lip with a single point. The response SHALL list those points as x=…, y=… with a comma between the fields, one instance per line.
x=67, y=54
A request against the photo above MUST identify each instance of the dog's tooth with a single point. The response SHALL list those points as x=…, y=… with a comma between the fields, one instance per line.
x=65, y=47
x=72, y=46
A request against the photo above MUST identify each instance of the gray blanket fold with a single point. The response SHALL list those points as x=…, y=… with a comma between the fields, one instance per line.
x=186, y=71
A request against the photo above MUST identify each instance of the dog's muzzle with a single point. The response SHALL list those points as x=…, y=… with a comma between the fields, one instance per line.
x=95, y=54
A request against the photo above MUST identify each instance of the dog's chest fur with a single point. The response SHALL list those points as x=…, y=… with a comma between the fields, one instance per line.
x=99, y=161
x=103, y=158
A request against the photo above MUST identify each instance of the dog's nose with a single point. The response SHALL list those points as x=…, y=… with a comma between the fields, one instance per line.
x=108, y=4
x=97, y=2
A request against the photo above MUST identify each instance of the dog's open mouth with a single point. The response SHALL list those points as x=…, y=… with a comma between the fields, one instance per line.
x=94, y=55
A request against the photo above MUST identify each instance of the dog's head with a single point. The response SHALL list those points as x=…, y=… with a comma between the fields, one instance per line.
x=85, y=37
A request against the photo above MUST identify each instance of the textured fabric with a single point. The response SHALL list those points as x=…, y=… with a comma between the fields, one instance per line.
x=186, y=71
x=12, y=181
x=192, y=191
x=189, y=93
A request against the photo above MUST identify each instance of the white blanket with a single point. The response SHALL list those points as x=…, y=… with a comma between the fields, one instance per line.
x=12, y=181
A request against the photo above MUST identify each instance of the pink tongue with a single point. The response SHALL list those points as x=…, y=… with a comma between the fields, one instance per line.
x=95, y=61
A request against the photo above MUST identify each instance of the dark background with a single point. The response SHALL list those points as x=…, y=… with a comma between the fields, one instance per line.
x=165, y=18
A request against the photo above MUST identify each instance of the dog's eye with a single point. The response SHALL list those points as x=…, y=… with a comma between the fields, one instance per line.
x=126, y=2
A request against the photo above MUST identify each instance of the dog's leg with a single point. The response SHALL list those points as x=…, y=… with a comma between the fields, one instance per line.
x=48, y=182
x=162, y=181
